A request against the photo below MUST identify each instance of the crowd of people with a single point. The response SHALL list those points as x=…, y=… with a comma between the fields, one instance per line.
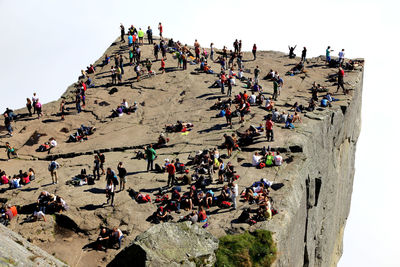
x=210, y=177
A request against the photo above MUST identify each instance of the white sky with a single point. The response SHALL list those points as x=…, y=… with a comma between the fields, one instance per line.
x=44, y=45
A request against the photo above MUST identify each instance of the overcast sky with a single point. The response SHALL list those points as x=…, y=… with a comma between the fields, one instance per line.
x=44, y=45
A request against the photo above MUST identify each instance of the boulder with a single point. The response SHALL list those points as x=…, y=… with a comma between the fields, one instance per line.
x=17, y=251
x=170, y=244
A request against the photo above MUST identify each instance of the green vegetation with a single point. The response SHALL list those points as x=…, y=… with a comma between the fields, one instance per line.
x=247, y=249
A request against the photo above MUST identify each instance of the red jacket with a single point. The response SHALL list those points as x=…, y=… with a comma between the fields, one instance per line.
x=171, y=168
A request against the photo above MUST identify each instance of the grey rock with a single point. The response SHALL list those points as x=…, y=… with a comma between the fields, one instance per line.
x=170, y=244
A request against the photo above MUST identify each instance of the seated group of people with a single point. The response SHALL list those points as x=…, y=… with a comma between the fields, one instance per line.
x=23, y=178
x=299, y=68
x=82, y=133
x=7, y=214
x=258, y=193
x=266, y=159
x=50, y=203
x=124, y=108
x=108, y=238
x=287, y=118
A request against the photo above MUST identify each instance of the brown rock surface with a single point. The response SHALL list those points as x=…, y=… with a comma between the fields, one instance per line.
x=167, y=97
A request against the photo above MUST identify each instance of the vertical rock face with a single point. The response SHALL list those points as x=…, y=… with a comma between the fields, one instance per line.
x=16, y=251
x=310, y=230
x=170, y=244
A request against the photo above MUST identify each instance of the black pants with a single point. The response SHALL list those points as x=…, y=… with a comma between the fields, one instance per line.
x=171, y=179
x=340, y=84
x=150, y=39
x=275, y=94
x=270, y=135
x=96, y=171
x=149, y=164
x=110, y=196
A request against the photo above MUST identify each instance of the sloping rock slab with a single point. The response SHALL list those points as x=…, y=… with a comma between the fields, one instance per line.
x=17, y=251
x=170, y=244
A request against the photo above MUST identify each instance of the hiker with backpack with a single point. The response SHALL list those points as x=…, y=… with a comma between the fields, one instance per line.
x=53, y=167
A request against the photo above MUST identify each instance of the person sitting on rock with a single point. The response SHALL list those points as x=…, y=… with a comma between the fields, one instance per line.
x=299, y=68
x=269, y=103
x=102, y=240
x=162, y=141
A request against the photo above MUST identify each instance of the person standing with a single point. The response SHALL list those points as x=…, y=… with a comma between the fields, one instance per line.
x=122, y=176
x=141, y=36
x=110, y=191
x=53, y=167
x=160, y=29
x=29, y=106
x=62, y=109
x=256, y=74
x=96, y=167
x=122, y=33
x=328, y=54
x=234, y=193
x=212, y=51
x=171, y=173
x=78, y=101
x=102, y=159
x=149, y=33
x=269, y=129
x=275, y=94
x=7, y=123
x=34, y=101
x=304, y=54
x=341, y=81
x=254, y=50
x=150, y=156
x=121, y=64
x=341, y=57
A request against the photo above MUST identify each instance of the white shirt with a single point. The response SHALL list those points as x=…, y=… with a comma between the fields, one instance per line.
x=38, y=214
x=252, y=99
x=125, y=104
x=53, y=143
x=240, y=74
x=256, y=160
x=235, y=190
x=278, y=160
x=275, y=115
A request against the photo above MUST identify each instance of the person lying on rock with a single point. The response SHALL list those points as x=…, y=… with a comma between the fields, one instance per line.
x=178, y=127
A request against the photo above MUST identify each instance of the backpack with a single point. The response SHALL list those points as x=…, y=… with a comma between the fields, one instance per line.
x=157, y=168
x=225, y=204
x=261, y=165
x=245, y=216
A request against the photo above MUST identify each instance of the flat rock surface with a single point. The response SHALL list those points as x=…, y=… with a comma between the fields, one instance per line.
x=163, y=99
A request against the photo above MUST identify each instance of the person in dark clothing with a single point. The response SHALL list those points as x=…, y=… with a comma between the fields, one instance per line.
x=122, y=33
x=122, y=176
x=291, y=51
x=7, y=123
x=341, y=81
x=149, y=33
x=102, y=239
x=304, y=54
x=96, y=168
x=229, y=144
